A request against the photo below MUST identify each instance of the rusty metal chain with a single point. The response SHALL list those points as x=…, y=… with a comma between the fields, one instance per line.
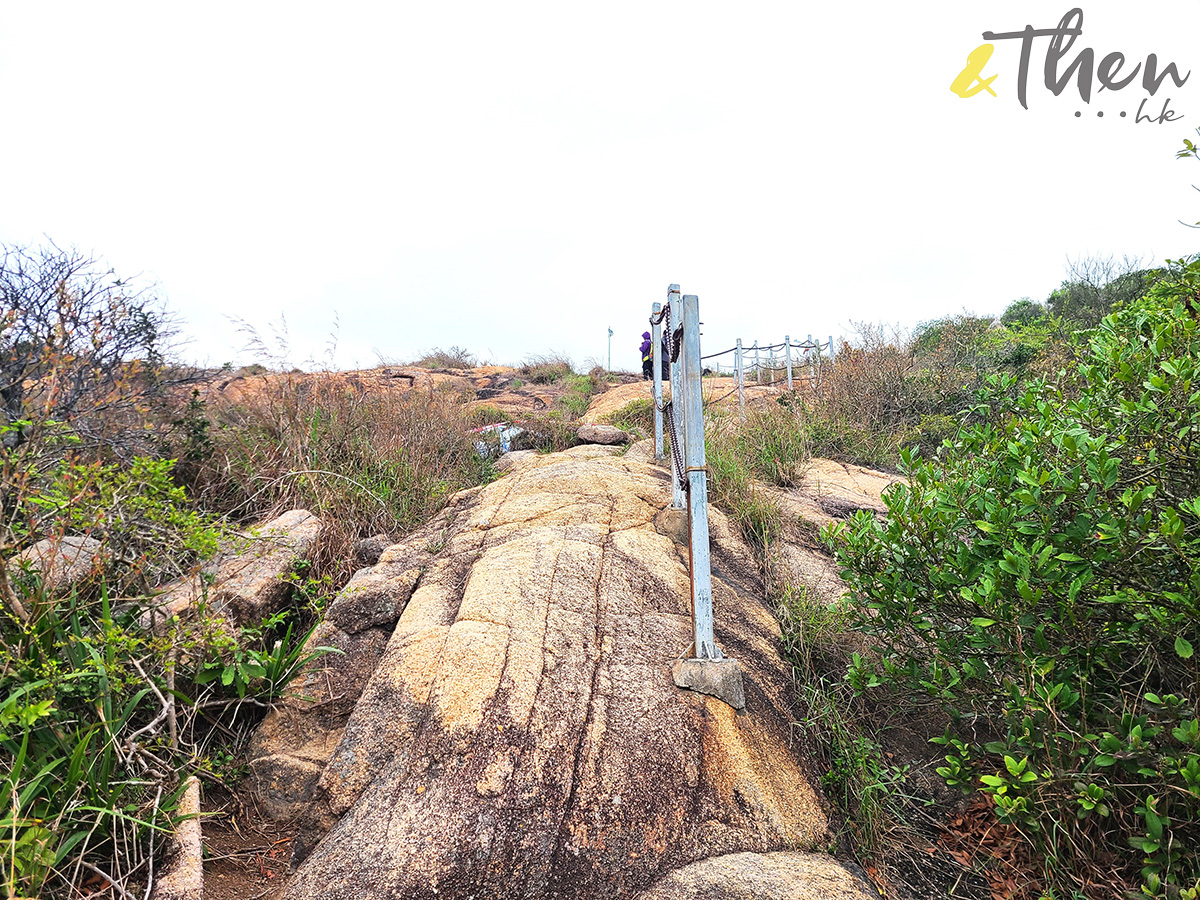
x=676, y=446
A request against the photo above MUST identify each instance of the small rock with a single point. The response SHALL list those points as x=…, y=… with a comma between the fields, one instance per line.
x=783, y=875
x=249, y=585
x=673, y=523
x=372, y=597
x=368, y=550
x=602, y=434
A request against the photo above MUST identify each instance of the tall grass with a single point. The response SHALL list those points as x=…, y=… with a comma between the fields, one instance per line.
x=451, y=358
x=368, y=463
x=635, y=417
x=731, y=483
x=546, y=368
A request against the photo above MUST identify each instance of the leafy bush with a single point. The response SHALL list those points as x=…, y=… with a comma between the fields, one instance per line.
x=1098, y=286
x=1041, y=584
x=148, y=528
x=1023, y=312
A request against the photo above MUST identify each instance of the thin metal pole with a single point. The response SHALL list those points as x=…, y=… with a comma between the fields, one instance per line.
x=787, y=351
x=812, y=371
x=697, y=476
x=831, y=346
x=656, y=338
x=739, y=375
x=677, y=410
x=757, y=368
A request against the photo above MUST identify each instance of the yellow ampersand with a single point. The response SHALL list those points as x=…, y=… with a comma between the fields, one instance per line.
x=964, y=85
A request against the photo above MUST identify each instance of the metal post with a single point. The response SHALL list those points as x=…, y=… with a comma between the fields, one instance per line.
x=697, y=477
x=739, y=376
x=677, y=410
x=757, y=369
x=656, y=338
x=831, y=346
x=812, y=370
x=787, y=352
x=610, y=334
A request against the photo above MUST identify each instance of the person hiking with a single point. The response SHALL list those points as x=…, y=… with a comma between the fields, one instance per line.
x=647, y=357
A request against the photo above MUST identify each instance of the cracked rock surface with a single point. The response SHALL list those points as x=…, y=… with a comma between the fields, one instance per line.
x=503, y=722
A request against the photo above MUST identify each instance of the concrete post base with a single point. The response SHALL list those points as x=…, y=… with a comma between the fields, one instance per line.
x=720, y=678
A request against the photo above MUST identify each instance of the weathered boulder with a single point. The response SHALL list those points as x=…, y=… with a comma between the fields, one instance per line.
x=61, y=562
x=250, y=584
x=833, y=490
x=762, y=876
x=247, y=584
x=830, y=491
x=300, y=734
x=521, y=734
x=602, y=434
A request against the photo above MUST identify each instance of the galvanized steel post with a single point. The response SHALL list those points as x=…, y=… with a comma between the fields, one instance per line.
x=677, y=411
x=787, y=352
x=656, y=339
x=739, y=374
x=697, y=477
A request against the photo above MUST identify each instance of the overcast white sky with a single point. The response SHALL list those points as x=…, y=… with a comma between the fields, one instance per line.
x=517, y=177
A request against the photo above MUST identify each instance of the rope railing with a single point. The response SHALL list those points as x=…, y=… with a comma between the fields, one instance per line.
x=811, y=354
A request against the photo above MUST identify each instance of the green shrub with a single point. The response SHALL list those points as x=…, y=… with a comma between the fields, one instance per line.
x=149, y=529
x=1041, y=584
x=1024, y=312
x=99, y=722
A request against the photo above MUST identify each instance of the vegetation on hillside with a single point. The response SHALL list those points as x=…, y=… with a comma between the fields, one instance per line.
x=103, y=436
x=1036, y=587
x=1033, y=591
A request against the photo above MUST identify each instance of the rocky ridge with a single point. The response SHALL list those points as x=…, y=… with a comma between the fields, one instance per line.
x=502, y=721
